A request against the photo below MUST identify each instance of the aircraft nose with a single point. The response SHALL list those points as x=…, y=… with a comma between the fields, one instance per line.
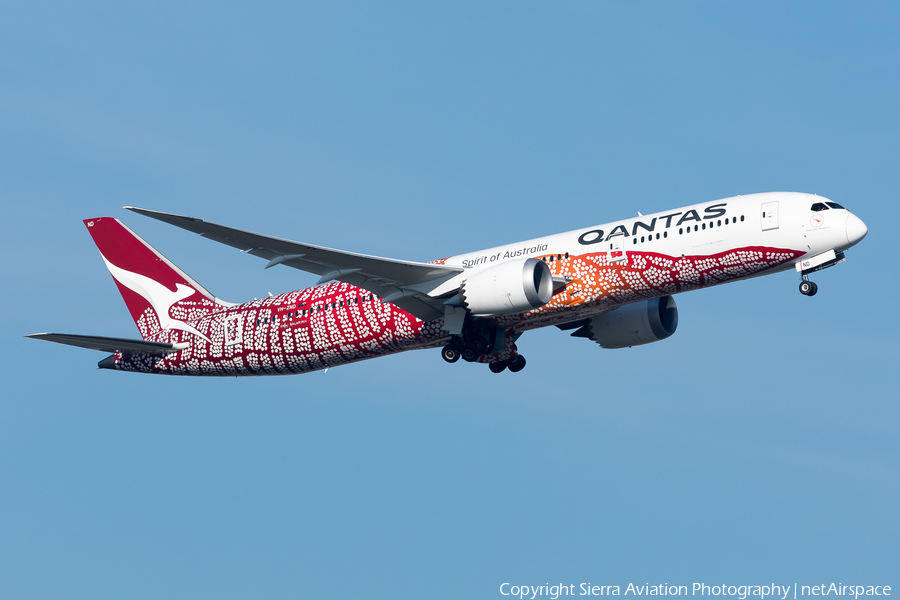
x=856, y=230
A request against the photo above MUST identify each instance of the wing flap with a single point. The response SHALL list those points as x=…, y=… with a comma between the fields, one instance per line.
x=108, y=344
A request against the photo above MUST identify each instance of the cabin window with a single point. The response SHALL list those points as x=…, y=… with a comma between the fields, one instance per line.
x=642, y=239
x=567, y=255
x=697, y=227
x=665, y=234
x=742, y=218
x=726, y=221
x=704, y=226
x=634, y=241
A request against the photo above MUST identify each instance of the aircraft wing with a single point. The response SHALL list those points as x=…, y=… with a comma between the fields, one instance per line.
x=108, y=344
x=413, y=286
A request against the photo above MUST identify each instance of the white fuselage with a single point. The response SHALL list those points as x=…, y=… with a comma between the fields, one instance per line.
x=697, y=230
x=594, y=270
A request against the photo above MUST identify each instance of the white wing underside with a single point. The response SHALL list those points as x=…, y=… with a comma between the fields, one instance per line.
x=418, y=288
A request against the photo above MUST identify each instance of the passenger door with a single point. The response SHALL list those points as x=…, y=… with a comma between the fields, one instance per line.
x=768, y=216
x=617, y=249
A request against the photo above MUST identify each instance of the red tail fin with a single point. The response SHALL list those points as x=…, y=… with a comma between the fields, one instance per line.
x=158, y=294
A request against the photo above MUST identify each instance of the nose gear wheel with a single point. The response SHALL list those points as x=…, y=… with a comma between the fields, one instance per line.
x=808, y=288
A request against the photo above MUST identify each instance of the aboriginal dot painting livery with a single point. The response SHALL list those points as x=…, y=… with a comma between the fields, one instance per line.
x=613, y=284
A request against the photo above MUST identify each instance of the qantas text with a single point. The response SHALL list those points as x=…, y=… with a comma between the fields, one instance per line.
x=595, y=236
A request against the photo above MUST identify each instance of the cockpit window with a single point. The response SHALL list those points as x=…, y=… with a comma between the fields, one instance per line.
x=834, y=205
x=818, y=206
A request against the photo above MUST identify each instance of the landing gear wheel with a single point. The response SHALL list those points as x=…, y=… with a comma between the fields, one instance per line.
x=808, y=288
x=472, y=350
x=450, y=354
x=517, y=364
x=497, y=367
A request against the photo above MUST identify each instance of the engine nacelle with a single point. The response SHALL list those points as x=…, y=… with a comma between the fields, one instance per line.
x=633, y=324
x=511, y=287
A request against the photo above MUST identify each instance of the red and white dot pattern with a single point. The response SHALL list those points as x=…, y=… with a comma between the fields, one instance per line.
x=337, y=323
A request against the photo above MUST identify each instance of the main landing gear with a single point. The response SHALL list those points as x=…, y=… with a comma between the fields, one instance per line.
x=807, y=287
x=514, y=365
x=478, y=338
x=469, y=351
x=452, y=354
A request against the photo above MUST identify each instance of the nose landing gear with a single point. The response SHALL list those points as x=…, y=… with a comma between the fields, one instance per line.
x=807, y=287
x=816, y=263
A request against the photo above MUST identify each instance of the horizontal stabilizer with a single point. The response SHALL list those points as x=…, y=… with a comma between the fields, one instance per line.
x=109, y=344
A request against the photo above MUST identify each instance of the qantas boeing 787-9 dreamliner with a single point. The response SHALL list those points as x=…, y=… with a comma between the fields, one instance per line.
x=612, y=284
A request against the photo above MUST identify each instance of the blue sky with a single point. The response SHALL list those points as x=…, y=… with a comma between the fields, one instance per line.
x=759, y=444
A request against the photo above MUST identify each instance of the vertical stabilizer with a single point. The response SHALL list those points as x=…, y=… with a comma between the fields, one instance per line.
x=159, y=295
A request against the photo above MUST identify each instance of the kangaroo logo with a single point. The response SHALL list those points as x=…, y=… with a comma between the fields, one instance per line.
x=157, y=295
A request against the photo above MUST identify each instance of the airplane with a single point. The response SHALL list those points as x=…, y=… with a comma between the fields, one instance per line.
x=612, y=284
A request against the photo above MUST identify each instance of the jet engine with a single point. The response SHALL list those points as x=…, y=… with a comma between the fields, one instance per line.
x=511, y=287
x=633, y=324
